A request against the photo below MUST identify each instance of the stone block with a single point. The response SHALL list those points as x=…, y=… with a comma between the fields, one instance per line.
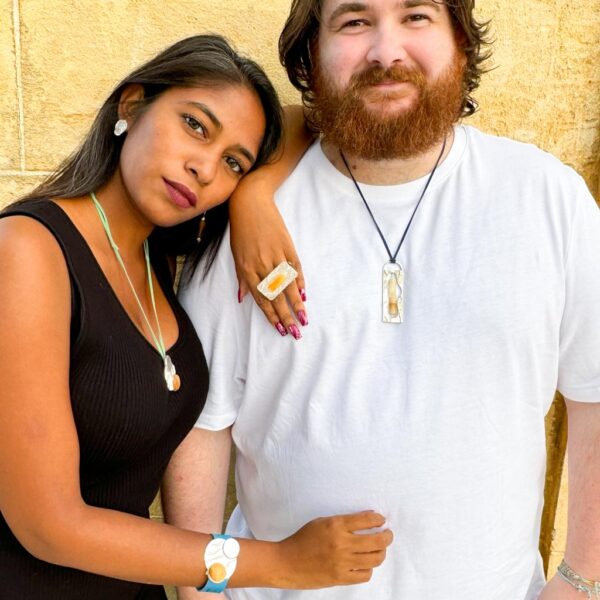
x=68, y=71
x=9, y=105
x=13, y=187
x=559, y=538
x=545, y=84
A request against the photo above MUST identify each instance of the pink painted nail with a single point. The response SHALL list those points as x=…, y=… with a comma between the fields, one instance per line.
x=302, y=318
x=281, y=329
x=303, y=294
x=239, y=296
x=293, y=329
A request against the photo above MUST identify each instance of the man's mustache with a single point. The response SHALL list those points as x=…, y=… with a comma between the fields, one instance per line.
x=376, y=75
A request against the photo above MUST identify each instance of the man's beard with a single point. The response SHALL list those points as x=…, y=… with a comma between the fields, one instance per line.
x=369, y=133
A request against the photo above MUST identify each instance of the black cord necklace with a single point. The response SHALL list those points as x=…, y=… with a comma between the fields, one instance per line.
x=393, y=273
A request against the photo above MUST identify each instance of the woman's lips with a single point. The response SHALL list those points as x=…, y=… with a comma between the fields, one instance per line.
x=180, y=194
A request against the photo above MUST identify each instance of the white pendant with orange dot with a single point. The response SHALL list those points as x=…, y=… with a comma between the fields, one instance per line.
x=173, y=380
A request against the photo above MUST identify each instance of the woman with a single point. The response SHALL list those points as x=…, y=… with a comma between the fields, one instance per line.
x=102, y=379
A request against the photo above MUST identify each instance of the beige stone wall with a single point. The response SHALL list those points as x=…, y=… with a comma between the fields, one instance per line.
x=545, y=88
x=59, y=59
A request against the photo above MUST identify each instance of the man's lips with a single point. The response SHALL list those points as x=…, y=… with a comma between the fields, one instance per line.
x=389, y=84
x=180, y=194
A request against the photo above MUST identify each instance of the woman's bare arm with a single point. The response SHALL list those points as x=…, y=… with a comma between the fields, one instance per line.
x=259, y=237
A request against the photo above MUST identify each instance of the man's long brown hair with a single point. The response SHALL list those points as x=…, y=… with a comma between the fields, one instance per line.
x=299, y=35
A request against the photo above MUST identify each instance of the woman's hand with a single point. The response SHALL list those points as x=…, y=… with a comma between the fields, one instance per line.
x=327, y=551
x=259, y=242
x=259, y=238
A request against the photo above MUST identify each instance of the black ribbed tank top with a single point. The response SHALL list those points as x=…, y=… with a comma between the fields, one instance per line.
x=127, y=422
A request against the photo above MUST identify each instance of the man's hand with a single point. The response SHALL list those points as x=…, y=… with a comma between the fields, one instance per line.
x=558, y=589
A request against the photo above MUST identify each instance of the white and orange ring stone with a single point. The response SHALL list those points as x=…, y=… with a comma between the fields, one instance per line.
x=277, y=280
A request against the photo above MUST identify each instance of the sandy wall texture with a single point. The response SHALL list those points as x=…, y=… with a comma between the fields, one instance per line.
x=59, y=59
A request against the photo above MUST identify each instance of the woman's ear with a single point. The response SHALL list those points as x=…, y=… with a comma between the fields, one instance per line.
x=130, y=96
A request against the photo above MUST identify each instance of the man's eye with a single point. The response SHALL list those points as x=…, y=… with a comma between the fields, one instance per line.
x=234, y=164
x=418, y=17
x=194, y=124
x=354, y=23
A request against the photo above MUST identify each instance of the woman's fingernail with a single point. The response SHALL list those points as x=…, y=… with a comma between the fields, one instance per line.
x=302, y=318
x=303, y=294
x=293, y=329
x=281, y=329
x=239, y=296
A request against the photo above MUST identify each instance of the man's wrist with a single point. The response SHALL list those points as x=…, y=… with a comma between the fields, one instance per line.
x=578, y=581
x=558, y=589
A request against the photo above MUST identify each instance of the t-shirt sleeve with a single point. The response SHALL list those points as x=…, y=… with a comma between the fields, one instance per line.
x=211, y=302
x=579, y=366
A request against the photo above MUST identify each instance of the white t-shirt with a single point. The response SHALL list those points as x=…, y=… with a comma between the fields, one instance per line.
x=437, y=423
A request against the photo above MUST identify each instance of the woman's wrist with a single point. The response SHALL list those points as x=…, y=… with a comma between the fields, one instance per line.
x=261, y=564
x=256, y=186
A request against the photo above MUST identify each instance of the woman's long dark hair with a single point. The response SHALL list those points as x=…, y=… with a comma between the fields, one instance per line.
x=197, y=61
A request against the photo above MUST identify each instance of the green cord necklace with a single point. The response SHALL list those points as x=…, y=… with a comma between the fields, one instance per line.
x=171, y=377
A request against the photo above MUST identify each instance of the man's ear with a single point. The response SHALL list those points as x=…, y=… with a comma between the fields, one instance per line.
x=461, y=43
x=130, y=96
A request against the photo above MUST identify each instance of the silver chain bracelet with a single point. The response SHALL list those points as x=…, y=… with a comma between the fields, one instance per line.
x=591, y=588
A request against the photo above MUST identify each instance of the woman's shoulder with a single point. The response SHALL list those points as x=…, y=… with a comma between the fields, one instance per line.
x=28, y=247
x=24, y=223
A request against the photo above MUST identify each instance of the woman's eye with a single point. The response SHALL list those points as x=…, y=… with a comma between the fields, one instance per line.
x=234, y=164
x=195, y=124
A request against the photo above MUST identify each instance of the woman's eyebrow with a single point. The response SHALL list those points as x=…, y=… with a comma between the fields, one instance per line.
x=207, y=111
x=243, y=150
x=215, y=120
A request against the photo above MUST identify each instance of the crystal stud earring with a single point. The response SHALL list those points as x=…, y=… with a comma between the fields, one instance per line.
x=120, y=127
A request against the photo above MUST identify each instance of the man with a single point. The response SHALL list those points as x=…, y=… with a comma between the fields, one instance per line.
x=454, y=285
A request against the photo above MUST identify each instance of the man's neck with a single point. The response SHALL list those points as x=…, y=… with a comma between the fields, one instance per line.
x=388, y=172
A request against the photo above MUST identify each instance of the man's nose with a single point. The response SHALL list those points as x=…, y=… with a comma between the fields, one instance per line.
x=387, y=47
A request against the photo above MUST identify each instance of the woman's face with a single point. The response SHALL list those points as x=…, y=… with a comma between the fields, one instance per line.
x=189, y=149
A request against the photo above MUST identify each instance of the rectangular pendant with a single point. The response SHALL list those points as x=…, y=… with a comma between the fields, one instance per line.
x=393, y=293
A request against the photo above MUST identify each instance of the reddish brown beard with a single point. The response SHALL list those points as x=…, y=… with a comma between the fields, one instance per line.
x=346, y=122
